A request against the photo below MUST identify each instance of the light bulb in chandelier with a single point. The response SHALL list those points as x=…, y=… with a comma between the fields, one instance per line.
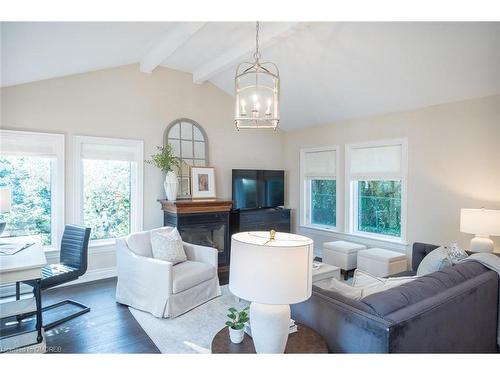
x=243, y=108
x=256, y=109
x=268, y=110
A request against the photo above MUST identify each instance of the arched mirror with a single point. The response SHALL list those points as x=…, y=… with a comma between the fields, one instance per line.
x=190, y=143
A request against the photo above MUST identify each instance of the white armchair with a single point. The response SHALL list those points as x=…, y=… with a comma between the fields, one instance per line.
x=159, y=287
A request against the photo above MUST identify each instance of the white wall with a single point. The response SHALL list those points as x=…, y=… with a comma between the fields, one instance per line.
x=454, y=149
x=122, y=102
x=454, y=162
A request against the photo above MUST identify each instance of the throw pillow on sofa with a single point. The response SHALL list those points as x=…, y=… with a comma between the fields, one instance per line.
x=370, y=284
x=167, y=245
x=345, y=290
x=436, y=260
x=365, y=284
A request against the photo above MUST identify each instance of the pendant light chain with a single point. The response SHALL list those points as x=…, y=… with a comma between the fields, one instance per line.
x=256, y=55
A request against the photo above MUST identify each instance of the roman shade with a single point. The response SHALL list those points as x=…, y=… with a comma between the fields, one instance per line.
x=376, y=162
x=320, y=163
x=31, y=144
x=103, y=151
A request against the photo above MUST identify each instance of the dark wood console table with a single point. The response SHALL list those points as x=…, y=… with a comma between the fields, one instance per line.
x=202, y=222
x=305, y=340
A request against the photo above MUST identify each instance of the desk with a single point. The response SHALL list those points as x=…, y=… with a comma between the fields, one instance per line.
x=25, y=265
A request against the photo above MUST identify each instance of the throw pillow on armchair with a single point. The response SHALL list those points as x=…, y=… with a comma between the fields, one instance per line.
x=167, y=245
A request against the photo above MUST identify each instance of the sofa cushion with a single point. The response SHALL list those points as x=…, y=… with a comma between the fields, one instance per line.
x=436, y=260
x=424, y=287
x=187, y=274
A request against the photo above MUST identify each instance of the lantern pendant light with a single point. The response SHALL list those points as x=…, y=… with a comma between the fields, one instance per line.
x=257, y=89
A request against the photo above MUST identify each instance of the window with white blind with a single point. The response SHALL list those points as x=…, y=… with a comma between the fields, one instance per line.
x=108, y=186
x=376, y=188
x=32, y=169
x=318, y=168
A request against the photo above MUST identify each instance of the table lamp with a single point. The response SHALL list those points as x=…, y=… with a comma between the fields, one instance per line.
x=5, y=199
x=272, y=270
x=483, y=224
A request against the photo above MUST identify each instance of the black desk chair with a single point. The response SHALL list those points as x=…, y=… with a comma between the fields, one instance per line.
x=73, y=264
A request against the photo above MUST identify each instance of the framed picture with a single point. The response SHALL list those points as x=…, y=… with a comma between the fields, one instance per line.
x=202, y=182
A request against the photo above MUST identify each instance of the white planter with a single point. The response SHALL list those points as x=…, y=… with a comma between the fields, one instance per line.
x=236, y=335
x=171, y=185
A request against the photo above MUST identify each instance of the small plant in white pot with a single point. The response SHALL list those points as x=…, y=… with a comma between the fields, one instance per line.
x=237, y=324
x=165, y=160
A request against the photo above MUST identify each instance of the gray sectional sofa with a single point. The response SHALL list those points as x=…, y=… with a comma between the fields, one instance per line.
x=450, y=311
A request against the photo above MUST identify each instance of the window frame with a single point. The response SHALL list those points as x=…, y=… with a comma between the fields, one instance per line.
x=351, y=189
x=136, y=189
x=57, y=193
x=305, y=188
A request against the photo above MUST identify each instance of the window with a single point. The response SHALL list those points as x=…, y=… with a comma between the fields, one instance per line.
x=109, y=185
x=189, y=142
x=376, y=178
x=32, y=166
x=319, y=187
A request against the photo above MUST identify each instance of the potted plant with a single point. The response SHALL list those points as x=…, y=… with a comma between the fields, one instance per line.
x=165, y=160
x=237, y=323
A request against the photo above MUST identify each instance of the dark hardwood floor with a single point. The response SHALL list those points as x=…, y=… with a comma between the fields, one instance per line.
x=108, y=328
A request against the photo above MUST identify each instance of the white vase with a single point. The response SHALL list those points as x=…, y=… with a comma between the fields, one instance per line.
x=236, y=335
x=171, y=185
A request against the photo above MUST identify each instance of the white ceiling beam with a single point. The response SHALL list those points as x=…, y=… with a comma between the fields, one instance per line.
x=270, y=34
x=168, y=44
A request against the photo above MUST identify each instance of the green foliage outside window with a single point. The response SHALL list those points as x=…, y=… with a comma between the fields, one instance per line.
x=379, y=207
x=106, y=197
x=323, y=203
x=29, y=180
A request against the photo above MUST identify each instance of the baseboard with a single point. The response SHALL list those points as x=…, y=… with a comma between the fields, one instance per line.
x=9, y=290
x=93, y=275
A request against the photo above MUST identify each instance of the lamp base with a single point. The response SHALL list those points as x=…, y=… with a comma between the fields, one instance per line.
x=270, y=327
x=481, y=244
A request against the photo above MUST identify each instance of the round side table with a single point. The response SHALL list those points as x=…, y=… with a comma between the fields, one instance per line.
x=305, y=340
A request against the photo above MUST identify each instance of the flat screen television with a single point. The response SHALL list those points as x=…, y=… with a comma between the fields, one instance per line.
x=258, y=189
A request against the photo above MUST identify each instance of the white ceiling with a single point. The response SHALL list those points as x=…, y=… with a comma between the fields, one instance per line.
x=329, y=71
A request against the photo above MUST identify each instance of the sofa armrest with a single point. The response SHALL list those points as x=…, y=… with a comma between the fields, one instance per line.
x=202, y=254
x=461, y=319
x=141, y=273
x=346, y=325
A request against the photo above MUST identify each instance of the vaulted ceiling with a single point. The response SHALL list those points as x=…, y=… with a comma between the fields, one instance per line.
x=329, y=71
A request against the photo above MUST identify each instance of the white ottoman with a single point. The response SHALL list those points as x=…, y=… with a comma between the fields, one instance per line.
x=381, y=262
x=342, y=254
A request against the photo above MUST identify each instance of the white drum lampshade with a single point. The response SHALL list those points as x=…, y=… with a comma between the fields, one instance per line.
x=271, y=273
x=482, y=223
x=5, y=199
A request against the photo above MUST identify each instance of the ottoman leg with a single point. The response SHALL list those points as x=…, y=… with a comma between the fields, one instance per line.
x=346, y=274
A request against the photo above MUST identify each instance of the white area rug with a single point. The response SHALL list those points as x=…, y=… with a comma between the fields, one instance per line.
x=191, y=332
